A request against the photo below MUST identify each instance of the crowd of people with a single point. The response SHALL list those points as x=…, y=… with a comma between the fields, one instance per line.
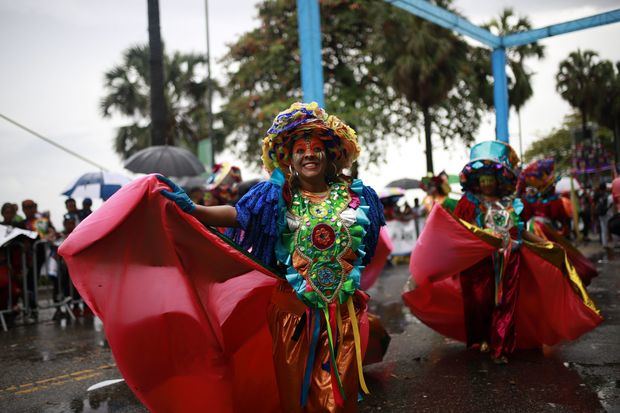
x=31, y=253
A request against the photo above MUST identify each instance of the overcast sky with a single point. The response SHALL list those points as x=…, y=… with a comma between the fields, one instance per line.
x=54, y=54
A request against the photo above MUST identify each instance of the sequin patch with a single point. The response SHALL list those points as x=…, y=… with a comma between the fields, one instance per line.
x=323, y=236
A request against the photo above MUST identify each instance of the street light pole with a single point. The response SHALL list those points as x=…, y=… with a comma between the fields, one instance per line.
x=159, y=116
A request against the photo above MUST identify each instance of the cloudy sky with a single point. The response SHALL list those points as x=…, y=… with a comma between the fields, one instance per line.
x=54, y=54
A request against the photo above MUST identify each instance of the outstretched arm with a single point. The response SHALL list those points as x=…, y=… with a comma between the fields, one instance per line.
x=217, y=216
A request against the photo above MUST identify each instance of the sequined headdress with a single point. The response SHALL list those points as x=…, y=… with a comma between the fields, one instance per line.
x=308, y=119
x=494, y=158
x=539, y=174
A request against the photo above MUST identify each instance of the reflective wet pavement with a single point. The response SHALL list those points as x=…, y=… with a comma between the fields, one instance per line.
x=48, y=367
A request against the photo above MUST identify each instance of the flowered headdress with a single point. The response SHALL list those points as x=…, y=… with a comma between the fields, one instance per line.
x=308, y=120
x=436, y=185
x=491, y=158
x=538, y=174
x=223, y=182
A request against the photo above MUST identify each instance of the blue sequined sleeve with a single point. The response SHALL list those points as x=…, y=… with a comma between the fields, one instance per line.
x=377, y=220
x=257, y=216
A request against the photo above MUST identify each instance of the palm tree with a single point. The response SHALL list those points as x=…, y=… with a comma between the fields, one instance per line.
x=607, y=111
x=128, y=95
x=423, y=62
x=578, y=81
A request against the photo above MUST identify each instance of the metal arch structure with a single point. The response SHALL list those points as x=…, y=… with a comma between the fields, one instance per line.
x=308, y=17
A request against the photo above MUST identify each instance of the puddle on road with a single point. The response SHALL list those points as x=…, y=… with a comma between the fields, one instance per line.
x=113, y=398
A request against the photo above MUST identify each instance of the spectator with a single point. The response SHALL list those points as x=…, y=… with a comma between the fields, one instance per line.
x=614, y=221
x=63, y=285
x=197, y=194
x=8, y=214
x=31, y=214
x=602, y=206
x=585, y=212
x=42, y=225
x=87, y=203
x=18, y=218
x=72, y=210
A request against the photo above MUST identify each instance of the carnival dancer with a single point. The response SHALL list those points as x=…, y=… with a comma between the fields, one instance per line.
x=437, y=189
x=495, y=287
x=310, y=228
x=536, y=187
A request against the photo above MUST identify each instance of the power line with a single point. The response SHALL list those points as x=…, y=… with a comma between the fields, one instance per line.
x=51, y=142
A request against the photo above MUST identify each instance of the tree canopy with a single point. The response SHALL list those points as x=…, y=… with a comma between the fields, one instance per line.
x=360, y=40
x=128, y=95
x=558, y=144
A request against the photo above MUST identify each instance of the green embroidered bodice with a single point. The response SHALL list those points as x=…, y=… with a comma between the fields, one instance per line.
x=323, y=238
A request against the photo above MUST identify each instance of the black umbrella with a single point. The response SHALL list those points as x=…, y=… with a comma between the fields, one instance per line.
x=166, y=160
x=404, y=183
x=189, y=182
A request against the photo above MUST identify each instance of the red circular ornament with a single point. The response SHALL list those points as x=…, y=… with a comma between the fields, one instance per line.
x=323, y=236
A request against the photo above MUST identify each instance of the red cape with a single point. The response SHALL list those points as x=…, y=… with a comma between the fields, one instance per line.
x=550, y=307
x=184, y=311
x=584, y=267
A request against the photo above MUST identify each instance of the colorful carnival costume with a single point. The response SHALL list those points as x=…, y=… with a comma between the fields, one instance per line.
x=537, y=189
x=274, y=321
x=476, y=279
x=223, y=184
x=438, y=191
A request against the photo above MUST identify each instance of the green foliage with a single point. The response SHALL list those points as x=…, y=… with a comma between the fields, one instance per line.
x=127, y=88
x=558, y=143
x=264, y=78
x=578, y=82
x=519, y=76
x=607, y=108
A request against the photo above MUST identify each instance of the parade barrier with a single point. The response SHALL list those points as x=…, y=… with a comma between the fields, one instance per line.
x=62, y=292
x=33, y=279
x=9, y=279
x=404, y=234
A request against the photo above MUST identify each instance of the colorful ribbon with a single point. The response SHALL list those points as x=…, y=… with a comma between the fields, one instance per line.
x=311, y=354
x=358, y=344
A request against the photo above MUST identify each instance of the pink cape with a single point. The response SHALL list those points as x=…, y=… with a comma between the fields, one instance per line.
x=549, y=307
x=184, y=311
x=375, y=266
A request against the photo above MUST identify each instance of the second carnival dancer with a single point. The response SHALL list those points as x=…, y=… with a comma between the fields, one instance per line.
x=537, y=189
x=289, y=335
x=479, y=278
x=437, y=190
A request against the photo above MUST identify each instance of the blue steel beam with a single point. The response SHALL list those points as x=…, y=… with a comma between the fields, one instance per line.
x=309, y=21
x=449, y=20
x=530, y=36
x=500, y=93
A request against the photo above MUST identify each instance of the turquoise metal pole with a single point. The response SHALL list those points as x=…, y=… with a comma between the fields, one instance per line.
x=500, y=93
x=309, y=21
x=530, y=36
x=447, y=19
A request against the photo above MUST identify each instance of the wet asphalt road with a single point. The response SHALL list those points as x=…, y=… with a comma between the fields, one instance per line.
x=48, y=367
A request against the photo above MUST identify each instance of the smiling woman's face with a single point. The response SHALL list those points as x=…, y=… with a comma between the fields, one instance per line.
x=309, y=159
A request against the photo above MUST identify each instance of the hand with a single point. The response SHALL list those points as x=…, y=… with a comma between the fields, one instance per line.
x=177, y=195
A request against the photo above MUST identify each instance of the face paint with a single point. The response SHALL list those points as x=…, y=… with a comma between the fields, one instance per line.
x=308, y=147
x=309, y=158
x=488, y=184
